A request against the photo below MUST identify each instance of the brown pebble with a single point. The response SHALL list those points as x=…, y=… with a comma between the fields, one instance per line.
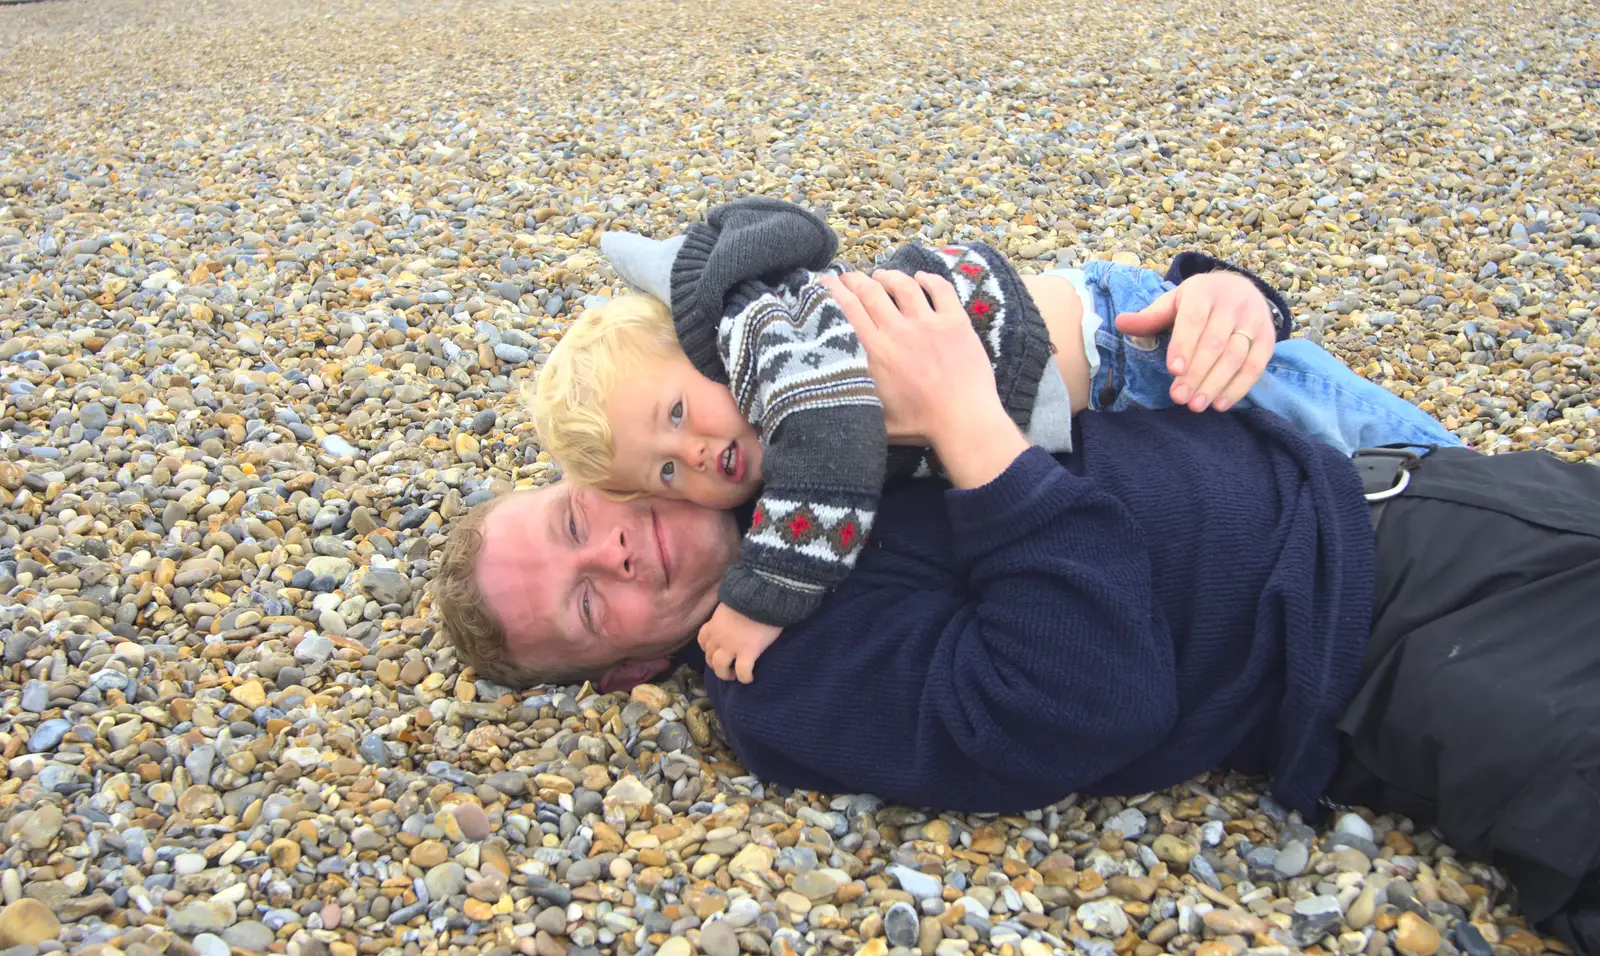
x=1415, y=936
x=1232, y=922
x=27, y=922
x=429, y=853
x=284, y=854
x=473, y=821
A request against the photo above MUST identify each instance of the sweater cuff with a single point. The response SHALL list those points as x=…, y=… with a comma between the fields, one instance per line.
x=999, y=513
x=1196, y=263
x=761, y=599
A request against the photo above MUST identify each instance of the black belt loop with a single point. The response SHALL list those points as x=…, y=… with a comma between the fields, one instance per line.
x=1385, y=473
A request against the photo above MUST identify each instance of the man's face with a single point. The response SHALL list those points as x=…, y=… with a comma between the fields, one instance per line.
x=580, y=581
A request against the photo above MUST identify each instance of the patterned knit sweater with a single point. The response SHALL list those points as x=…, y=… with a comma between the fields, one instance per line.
x=799, y=376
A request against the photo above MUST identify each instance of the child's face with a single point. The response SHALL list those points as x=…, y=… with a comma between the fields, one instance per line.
x=678, y=434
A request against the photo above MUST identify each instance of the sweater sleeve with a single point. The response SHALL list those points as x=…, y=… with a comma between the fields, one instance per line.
x=1033, y=666
x=821, y=475
x=800, y=376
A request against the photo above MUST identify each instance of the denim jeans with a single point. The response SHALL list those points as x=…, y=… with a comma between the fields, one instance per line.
x=1302, y=382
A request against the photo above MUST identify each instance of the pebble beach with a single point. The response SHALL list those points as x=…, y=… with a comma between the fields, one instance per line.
x=272, y=275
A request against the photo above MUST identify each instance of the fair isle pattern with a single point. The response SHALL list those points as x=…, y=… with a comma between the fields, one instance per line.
x=791, y=347
x=979, y=292
x=825, y=533
x=789, y=354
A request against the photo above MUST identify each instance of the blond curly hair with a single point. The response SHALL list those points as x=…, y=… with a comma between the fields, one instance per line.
x=605, y=345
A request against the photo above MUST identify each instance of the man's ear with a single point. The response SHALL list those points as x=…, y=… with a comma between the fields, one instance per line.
x=625, y=676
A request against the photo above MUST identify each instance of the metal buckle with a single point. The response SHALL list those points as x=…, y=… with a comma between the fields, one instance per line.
x=1405, y=479
x=1407, y=459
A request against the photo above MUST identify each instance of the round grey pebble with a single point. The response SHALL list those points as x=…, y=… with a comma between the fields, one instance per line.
x=35, y=696
x=901, y=925
x=1292, y=859
x=208, y=944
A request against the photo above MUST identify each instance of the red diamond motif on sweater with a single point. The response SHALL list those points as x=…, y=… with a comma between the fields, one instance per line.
x=847, y=535
x=972, y=269
x=799, y=525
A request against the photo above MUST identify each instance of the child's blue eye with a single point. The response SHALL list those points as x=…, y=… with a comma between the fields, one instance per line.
x=667, y=471
x=676, y=414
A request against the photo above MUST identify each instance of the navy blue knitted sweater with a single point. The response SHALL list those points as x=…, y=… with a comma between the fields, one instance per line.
x=1182, y=592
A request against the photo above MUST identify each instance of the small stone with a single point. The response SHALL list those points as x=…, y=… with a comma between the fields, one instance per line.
x=1415, y=936
x=675, y=946
x=1173, y=851
x=1469, y=939
x=1103, y=918
x=1292, y=859
x=1130, y=823
x=901, y=924
x=446, y=880
x=210, y=944
x=627, y=798
x=1364, y=908
x=250, y=693
x=1353, y=824
x=313, y=649
x=473, y=821
x=428, y=854
x=1313, y=918
x=35, y=696
x=815, y=885
x=27, y=922
x=193, y=919
x=48, y=735
x=717, y=938
x=1226, y=922
x=511, y=354
x=919, y=885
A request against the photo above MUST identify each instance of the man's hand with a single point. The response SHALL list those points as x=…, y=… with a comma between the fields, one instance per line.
x=1222, y=337
x=932, y=373
x=732, y=642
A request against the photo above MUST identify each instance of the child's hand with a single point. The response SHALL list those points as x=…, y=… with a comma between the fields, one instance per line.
x=732, y=643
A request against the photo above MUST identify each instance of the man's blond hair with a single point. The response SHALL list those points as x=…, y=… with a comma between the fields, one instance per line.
x=567, y=404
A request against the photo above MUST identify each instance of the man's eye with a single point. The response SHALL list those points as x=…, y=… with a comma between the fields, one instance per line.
x=572, y=526
x=588, y=618
x=667, y=471
x=676, y=414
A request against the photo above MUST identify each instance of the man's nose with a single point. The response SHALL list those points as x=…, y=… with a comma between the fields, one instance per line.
x=614, y=554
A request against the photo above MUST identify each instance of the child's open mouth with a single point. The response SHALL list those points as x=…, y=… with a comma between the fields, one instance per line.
x=732, y=463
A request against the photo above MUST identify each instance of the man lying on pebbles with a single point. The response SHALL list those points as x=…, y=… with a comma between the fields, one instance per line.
x=1178, y=592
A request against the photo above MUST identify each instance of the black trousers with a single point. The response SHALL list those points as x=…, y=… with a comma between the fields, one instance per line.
x=1480, y=711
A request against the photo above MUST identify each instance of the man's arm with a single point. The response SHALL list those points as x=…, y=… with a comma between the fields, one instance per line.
x=1027, y=662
